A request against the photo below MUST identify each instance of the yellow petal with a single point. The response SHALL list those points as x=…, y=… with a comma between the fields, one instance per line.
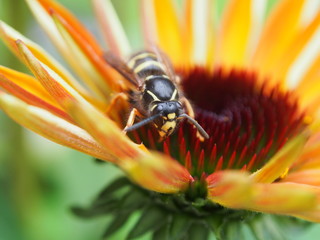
x=166, y=26
x=52, y=127
x=112, y=29
x=150, y=170
x=158, y=172
x=308, y=88
x=281, y=27
x=313, y=216
x=199, y=32
x=292, y=51
x=103, y=129
x=234, y=35
x=188, y=30
x=283, y=198
x=282, y=160
x=310, y=78
x=235, y=189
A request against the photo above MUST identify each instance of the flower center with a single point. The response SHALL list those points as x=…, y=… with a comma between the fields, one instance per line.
x=247, y=124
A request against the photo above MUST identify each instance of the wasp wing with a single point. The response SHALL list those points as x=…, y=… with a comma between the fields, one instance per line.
x=122, y=68
x=165, y=60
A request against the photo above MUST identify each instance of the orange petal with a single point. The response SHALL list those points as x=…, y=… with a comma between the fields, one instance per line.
x=310, y=158
x=52, y=127
x=112, y=29
x=71, y=49
x=282, y=160
x=93, y=69
x=234, y=35
x=281, y=27
x=50, y=5
x=235, y=189
x=158, y=172
x=27, y=83
x=98, y=125
x=229, y=188
x=309, y=177
x=168, y=30
x=52, y=82
x=10, y=36
x=30, y=91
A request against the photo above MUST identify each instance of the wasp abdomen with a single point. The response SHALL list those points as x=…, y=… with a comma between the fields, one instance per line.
x=145, y=64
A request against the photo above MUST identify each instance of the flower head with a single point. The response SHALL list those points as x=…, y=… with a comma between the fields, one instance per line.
x=240, y=74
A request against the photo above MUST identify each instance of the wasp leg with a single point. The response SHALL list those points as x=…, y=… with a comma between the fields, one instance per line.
x=117, y=97
x=178, y=79
x=134, y=112
x=188, y=107
x=190, y=112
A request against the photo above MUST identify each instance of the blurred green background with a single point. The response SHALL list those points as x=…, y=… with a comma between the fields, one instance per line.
x=40, y=180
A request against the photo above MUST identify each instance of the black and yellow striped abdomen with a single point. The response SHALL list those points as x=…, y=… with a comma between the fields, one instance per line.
x=145, y=64
x=157, y=86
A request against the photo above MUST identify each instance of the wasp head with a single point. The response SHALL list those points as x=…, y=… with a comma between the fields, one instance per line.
x=168, y=120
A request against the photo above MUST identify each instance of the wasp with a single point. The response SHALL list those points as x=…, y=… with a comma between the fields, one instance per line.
x=156, y=96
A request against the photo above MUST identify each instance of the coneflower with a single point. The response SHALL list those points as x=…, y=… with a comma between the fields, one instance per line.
x=252, y=85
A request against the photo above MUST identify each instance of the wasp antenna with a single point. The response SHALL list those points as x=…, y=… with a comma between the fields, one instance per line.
x=142, y=123
x=196, y=124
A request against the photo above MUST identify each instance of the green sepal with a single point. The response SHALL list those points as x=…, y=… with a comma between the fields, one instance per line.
x=133, y=200
x=162, y=233
x=179, y=226
x=113, y=191
x=176, y=217
x=277, y=227
x=151, y=219
x=94, y=211
x=232, y=230
x=199, y=230
x=99, y=161
x=118, y=221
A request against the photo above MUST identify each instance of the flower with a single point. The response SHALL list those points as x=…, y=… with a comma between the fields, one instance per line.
x=253, y=84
